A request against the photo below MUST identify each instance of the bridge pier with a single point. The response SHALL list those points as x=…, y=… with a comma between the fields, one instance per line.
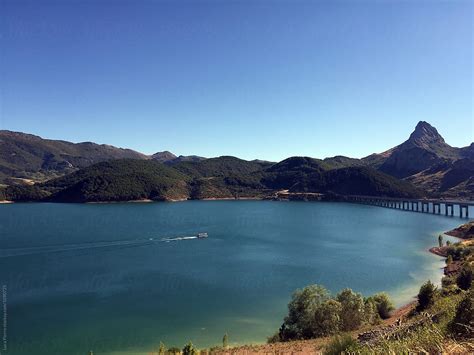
x=463, y=208
x=423, y=204
x=450, y=209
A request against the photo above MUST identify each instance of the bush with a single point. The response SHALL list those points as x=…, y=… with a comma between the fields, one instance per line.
x=383, y=303
x=426, y=295
x=225, y=341
x=189, y=349
x=462, y=325
x=162, y=349
x=352, y=313
x=275, y=338
x=327, y=318
x=449, y=285
x=174, y=350
x=340, y=344
x=371, y=315
x=300, y=321
x=464, y=279
x=312, y=312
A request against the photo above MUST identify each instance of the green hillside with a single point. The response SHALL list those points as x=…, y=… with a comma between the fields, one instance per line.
x=120, y=180
x=223, y=177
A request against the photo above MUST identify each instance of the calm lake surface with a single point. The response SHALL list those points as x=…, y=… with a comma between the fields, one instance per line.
x=83, y=277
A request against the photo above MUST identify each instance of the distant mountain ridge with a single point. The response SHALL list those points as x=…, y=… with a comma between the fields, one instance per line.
x=24, y=155
x=424, y=160
x=30, y=156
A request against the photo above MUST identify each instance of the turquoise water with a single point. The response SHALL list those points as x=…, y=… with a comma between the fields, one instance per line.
x=83, y=277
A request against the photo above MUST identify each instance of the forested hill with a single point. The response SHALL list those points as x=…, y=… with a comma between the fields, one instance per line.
x=424, y=160
x=223, y=177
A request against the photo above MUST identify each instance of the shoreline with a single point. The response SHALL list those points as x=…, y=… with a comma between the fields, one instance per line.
x=278, y=196
x=307, y=346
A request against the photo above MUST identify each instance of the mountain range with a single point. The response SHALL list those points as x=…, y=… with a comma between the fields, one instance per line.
x=33, y=168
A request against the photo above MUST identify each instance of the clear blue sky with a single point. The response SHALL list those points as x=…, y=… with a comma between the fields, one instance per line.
x=254, y=79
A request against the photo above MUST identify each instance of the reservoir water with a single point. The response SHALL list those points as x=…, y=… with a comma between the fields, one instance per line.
x=81, y=277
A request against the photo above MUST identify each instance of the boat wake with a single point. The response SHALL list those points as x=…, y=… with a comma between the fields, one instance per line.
x=12, y=252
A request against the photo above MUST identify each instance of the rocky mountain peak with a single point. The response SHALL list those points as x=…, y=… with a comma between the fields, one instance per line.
x=425, y=134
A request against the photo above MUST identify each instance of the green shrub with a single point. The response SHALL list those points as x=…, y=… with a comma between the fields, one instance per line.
x=225, y=341
x=327, y=318
x=371, y=314
x=189, y=349
x=340, y=344
x=464, y=279
x=162, y=349
x=352, y=313
x=275, y=338
x=426, y=295
x=300, y=321
x=383, y=303
x=462, y=326
x=174, y=350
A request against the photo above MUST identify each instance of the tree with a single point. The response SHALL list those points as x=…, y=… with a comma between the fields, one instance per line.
x=462, y=324
x=449, y=259
x=327, y=318
x=440, y=240
x=371, y=314
x=162, y=349
x=174, y=350
x=464, y=279
x=225, y=341
x=448, y=243
x=426, y=295
x=300, y=321
x=352, y=313
x=383, y=303
x=189, y=349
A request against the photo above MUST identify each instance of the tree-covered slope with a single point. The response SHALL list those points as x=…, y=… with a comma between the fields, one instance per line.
x=367, y=181
x=287, y=173
x=120, y=180
x=224, y=177
x=221, y=166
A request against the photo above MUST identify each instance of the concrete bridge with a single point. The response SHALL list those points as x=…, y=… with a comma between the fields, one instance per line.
x=434, y=206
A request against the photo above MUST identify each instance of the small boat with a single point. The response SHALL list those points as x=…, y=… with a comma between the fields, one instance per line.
x=197, y=236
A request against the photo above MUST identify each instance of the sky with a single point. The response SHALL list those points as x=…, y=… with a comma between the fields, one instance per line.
x=254, y=79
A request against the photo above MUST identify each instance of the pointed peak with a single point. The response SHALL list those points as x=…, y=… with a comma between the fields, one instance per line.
x=425, y=133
